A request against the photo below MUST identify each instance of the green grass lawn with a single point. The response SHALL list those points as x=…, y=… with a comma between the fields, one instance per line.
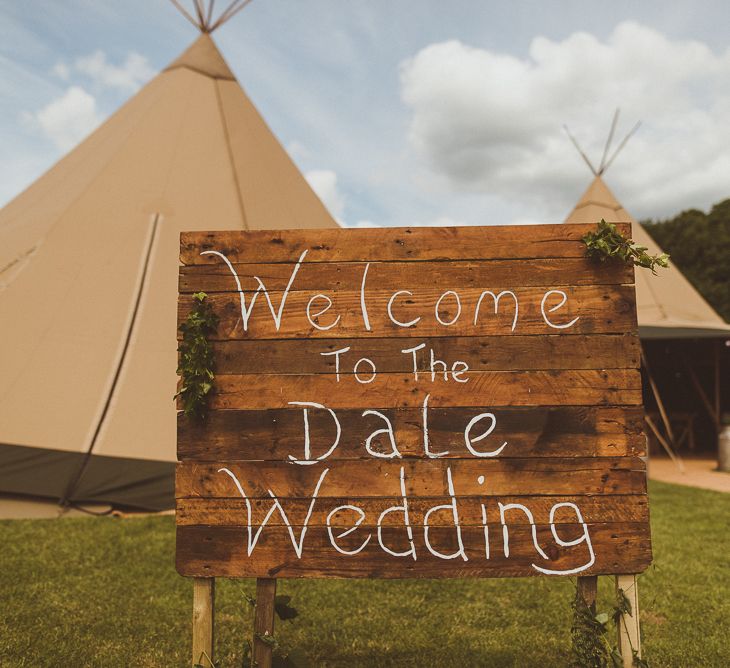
x=104, y=592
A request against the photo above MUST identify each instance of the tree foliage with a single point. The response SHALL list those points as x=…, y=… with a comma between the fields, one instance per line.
x=699, y=244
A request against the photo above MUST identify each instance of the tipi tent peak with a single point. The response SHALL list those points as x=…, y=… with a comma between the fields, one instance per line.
x=606, y=160
x=202, y=17
x=668, y=306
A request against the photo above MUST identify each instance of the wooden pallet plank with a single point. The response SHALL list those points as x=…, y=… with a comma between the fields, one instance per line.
x=598, y=309
x=234, y=512
x=222, y=551
x=405, y=243
x=496, y=476
x=484, y=388
x=273, y=434
x=329, y=276
x=481, y=353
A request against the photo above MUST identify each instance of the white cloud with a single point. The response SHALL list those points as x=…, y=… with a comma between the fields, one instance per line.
x=492, y=123
x=297, y=150
x=73, y=115
x=62, y=71
x=362, y=224
x=324, y=183
x=128, y=77
x=69, y=118
x=441, y=221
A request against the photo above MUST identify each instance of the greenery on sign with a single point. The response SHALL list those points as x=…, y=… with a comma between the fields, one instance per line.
x=589, y=634
x=608, y=243
x=699, y=243
x=196, y=363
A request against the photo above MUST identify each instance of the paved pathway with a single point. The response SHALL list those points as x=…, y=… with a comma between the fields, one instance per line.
x=701, y=473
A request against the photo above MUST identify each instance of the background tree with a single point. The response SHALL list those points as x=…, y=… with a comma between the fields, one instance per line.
x=699, y=244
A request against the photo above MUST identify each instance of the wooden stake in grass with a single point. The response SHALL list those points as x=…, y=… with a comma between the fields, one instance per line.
x=263, y=629
x=203, y=621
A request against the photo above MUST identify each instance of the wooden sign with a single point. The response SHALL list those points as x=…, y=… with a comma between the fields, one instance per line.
x=428, y=402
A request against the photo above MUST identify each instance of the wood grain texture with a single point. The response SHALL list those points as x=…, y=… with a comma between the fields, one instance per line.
x=373, y=478
x=530, y=432
x=564, y=488
x=337, y=276
x=484, y=388
x=481, y=353
x=203, y=622
x=221, y=551
x=264, y=622
x=628, y=626
x=600, y=310
x=391, y=244
x=234, y=512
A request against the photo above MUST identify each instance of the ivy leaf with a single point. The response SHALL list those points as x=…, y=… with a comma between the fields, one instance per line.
x=283, y=609
x=639, y=662
x=617, y=661
x=623, y=606
x=267, y=639
x=196, y=360
x=607, y=242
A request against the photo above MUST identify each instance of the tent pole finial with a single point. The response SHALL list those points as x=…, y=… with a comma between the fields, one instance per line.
x=186, y=13
x=622, y=144
x=205, y=21
x=607, y=147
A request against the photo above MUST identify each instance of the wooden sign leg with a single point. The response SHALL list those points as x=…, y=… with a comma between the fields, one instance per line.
x=264, y=621
x=629, y=638
x=203, y=621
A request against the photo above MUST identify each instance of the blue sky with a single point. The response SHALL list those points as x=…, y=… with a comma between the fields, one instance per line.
x=407, y=112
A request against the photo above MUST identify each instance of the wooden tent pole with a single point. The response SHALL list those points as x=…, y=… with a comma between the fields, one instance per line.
x=209, y=15
x=714, y=416
x=185, y=13
x=199, y=10
x=718, y=408
x=263, y=625
x=663, y=442
x=657, y=398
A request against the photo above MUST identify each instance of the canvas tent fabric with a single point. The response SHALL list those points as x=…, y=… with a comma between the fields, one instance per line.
x=667, y=304
x=88, y=280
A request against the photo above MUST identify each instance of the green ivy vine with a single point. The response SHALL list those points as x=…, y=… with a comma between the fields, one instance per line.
x=607, y=242
x=589, y=634
x=196, y=361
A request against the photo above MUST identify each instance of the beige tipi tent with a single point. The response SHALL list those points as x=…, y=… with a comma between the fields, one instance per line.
x=667, y=304
x=88, y=280
x=676, y=326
